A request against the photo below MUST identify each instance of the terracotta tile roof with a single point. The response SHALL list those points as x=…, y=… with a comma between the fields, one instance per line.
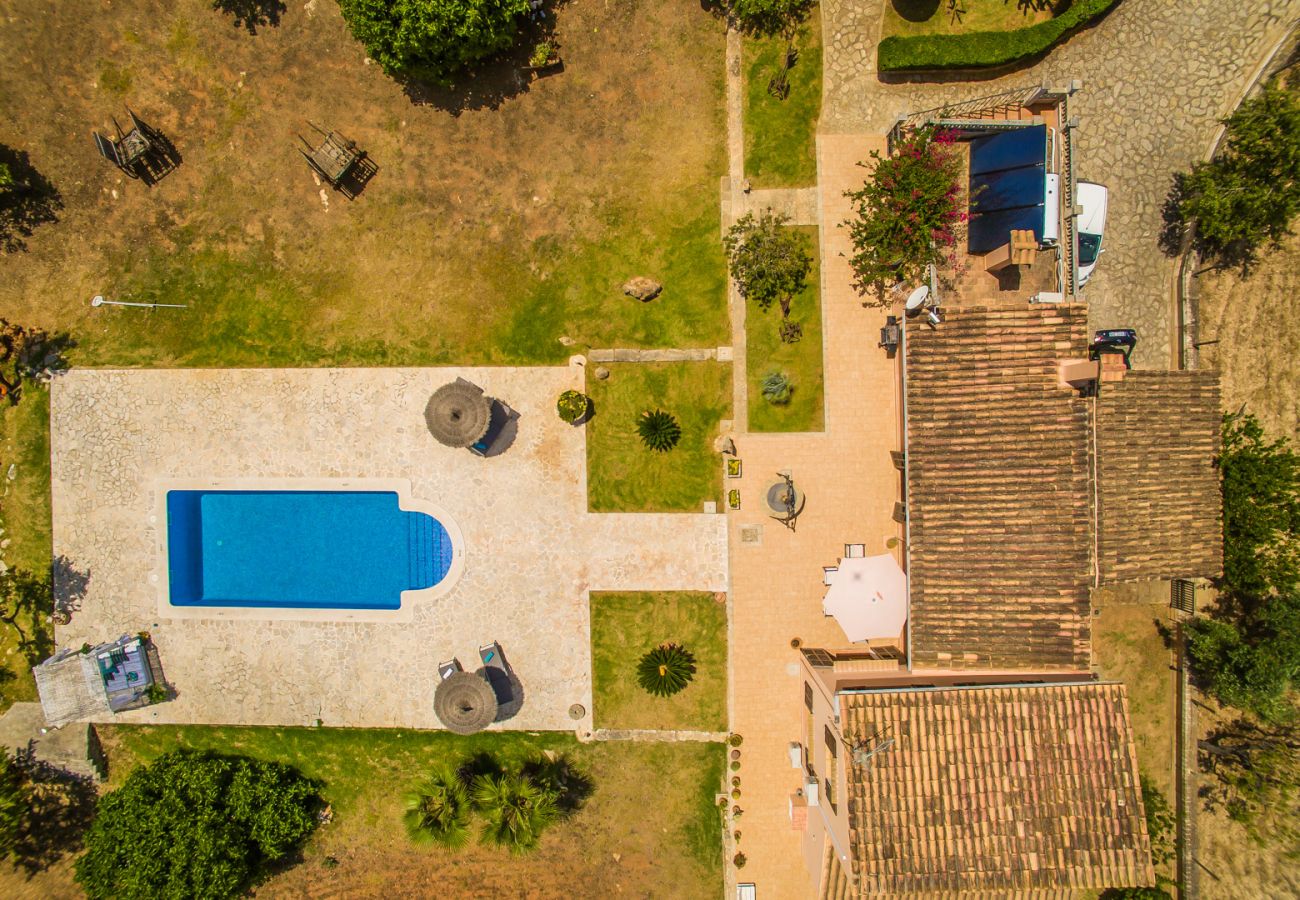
x=996, y=790
x=1160, y=507
x=998, y=489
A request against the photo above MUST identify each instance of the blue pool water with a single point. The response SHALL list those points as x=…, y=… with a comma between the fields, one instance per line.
x=300, y=549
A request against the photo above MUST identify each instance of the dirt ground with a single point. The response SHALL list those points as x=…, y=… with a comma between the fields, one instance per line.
x=504, y=214
x=1256, y=322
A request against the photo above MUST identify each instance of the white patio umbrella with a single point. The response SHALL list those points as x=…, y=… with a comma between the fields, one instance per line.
x=868, y=597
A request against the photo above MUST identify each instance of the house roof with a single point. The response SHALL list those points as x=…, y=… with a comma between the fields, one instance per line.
x=997, y=789
x=1161, y=509
x=998, y=489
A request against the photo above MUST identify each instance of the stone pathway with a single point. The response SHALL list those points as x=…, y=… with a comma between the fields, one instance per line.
x=800, y=204
x=646, y=735
x=697, y=354
x=1156, y=77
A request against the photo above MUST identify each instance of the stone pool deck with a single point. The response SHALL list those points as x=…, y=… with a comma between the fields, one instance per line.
x=532, y=550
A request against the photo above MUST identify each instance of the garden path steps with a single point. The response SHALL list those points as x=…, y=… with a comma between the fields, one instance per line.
x=645, y=734
x=697, y=354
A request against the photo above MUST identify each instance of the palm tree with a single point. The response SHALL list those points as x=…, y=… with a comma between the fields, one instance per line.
x=516, y=808
x=666, y=669
x=437, y=811
x=659, y=430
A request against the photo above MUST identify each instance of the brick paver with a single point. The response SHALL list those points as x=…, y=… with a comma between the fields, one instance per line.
x=776, y=585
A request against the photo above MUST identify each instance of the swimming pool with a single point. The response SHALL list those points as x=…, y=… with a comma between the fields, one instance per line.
x=300, y=549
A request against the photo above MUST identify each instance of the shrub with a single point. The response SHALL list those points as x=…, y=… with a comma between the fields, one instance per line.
x=769, y=261
x=908, y=212
x=572, y=406
x=659, y=430
x=433, y=39
x=156, y=693
x=980, y=49
x=1248, y=195
x=666, y=669
x=770, y=17
x=739, y=860
x=777, y=388
x=195, y=825
x=1251, y=661
x=516, y=808
x=12, y=802
x=438, y=811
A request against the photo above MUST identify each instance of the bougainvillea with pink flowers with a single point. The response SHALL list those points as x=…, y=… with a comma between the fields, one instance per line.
x=911, y=212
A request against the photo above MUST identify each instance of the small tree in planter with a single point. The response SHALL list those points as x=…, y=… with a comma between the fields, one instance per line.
x=666, y=669
x=659, y=430
x=573, y=406
x=769, y=261
x=908, y=213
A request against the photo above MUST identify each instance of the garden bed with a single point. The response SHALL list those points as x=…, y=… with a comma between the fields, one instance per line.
x=624, y=626
x=617, y=844
x=623, y=475
x=780, y=135
x=801, y=361
x=989, y=35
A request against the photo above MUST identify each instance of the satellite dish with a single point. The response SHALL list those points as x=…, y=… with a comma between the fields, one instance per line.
x=97, y=300
x=917, y=298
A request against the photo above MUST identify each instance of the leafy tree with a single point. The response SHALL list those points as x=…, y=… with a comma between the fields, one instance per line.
x=767, y=18
x=197, y=825
x=659, y=430
x=1256, y=769
x=1261, y=510
x=769, y=261
x=516, y=809
x=1249, y=194
x=433, y=39
x=1250, y=661
x=12, y=805
x=438, y=811
x=666, y=670
x=1160, y=822
x=907, y=213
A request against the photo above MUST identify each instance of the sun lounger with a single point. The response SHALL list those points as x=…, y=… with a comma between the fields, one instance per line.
x=449, y=668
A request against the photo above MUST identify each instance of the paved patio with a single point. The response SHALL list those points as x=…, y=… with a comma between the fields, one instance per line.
x=532, y=549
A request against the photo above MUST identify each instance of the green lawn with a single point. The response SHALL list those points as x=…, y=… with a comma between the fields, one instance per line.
x=780, y=135
x=622, y=474
x=801, y=361
x=25, y=516
x=924, y=17
x=670, y=846
x=624, y=626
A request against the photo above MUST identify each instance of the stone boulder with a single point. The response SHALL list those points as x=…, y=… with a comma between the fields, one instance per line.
x=642, y=288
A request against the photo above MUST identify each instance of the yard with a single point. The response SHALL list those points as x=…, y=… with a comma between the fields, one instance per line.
x=502, y=221
x=926, y=17
x=626, y=626
x=780, y=134
x=503, y=217
x=800, y=361
x=626, y=476
x=618, y=844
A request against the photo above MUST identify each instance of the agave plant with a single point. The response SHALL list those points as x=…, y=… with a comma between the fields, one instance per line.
x=777, y=388
x=438, y=810
x=516, y=810
x=659, y=430
x=666, y=669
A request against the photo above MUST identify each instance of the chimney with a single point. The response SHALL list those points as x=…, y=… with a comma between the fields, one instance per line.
x=1113, y=365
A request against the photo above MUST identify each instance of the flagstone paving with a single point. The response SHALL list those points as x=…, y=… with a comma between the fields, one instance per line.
x=532, y=549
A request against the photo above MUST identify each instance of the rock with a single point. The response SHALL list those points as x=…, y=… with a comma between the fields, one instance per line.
x=642, y=288
x=602, y=373
x=567, y=341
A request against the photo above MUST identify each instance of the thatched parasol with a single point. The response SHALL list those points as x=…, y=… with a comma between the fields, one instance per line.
x=458, y=414
x=465, y=703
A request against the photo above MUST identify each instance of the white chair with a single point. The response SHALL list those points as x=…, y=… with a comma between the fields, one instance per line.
x=855, y=551
x=828, y=574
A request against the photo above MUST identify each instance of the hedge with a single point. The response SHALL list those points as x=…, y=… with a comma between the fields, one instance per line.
x=984, y=49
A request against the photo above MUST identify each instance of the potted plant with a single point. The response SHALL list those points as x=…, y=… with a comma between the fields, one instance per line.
x=573, y=407
x=733, y=468
x=733, y=498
